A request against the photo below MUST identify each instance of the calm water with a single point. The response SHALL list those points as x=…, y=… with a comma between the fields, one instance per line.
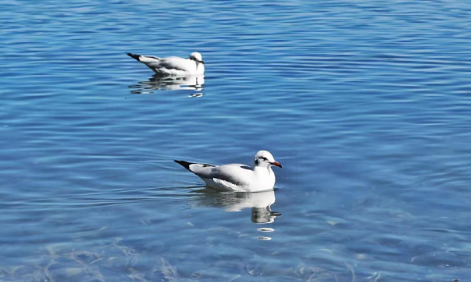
x=366, y=104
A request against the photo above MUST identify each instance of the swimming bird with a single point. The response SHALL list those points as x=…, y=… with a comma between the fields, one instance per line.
x=237, y=177
x=194, y=65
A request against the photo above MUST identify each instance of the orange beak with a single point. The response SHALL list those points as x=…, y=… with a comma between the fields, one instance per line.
x=277, y=164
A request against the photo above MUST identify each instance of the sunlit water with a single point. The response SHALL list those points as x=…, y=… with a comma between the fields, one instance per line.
x=365, y=103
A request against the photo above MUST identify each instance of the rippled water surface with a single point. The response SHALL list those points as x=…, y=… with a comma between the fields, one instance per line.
x=365, y=103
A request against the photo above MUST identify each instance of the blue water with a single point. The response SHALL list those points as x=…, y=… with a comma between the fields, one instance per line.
x=366, y=104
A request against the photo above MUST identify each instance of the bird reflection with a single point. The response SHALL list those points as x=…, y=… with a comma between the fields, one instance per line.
x=260, y=202
x=159, y=82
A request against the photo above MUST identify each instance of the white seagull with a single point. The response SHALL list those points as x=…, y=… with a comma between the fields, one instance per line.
x=237, y=177
x=194, y=65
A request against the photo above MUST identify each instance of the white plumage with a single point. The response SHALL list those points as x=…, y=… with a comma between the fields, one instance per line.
x=237, y=177
x=194, y=65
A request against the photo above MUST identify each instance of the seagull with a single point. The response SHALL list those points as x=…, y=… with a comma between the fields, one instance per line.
x=237, y=177
x=194, y=65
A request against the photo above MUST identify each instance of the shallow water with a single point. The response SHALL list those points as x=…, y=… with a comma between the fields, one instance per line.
x=366, y=105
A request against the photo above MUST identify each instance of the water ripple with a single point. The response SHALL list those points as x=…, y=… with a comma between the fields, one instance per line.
x=365, y=103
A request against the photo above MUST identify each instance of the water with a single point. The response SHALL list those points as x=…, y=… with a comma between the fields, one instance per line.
x=366, y=105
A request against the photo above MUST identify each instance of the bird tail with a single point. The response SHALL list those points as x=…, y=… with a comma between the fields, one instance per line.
x=184, y=164
x=135, y=56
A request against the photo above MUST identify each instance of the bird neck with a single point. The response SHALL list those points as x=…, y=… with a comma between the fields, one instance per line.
x=198, y=65
x=263, y=169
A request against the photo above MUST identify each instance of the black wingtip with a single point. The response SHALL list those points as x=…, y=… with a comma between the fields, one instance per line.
x=134, y=56
x=184, y=164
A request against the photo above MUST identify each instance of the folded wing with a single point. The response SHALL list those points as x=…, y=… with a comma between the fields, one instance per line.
x=237, y=174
